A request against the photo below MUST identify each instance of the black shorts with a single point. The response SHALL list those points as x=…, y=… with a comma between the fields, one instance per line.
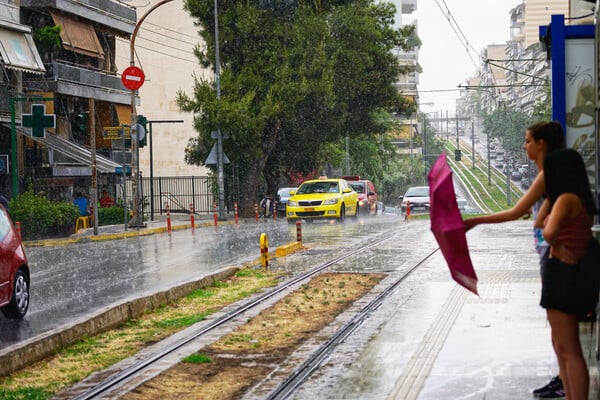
x=572, y=289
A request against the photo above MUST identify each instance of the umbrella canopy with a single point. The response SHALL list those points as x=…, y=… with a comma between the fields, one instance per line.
x=447, y=224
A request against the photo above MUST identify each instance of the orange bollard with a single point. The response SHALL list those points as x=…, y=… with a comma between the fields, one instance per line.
x=275, y=210
x=299, y=231
x=256, y=211
x=18, y=229
x=215, y=213
x=192, y=218
x=235, y=212
x=168, y=217
x=407, y=209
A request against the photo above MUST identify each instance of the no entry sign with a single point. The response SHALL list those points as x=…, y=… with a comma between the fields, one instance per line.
x=133, y=77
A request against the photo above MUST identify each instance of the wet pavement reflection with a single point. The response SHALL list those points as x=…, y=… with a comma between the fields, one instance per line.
x=72, y=281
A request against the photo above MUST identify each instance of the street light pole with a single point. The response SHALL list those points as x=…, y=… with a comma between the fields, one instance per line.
x=220, y=183
x=134, y=138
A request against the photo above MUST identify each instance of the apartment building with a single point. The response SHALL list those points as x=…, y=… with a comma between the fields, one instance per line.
x=60, y=54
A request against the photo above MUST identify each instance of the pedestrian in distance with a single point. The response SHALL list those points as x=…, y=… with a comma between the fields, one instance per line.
x=541, y=139
x=82, y=203
x=567, y=217
x=105, y=199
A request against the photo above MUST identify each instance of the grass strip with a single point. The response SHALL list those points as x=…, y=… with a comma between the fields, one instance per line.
x=72, y=364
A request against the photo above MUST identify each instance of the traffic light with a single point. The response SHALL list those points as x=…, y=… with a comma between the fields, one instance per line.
x=457, y=155
x=143, y=121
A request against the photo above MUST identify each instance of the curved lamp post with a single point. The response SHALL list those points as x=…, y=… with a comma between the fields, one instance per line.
x=134, y=139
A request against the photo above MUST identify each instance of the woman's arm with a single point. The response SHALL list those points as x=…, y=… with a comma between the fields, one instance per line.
x=533, y=194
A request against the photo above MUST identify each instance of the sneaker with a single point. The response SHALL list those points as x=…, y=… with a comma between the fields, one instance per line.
x=554, y=384
x=552, y=394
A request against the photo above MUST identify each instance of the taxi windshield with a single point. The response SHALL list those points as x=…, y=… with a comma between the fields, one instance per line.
x=318, y=187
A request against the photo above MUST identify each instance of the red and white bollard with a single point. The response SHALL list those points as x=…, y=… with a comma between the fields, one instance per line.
x=407, y=210
x=192, y=218
x=299, y=231
x=235, y=212
x=256, y=211
x=168, y=209
x=18, y=229
x=215, y=218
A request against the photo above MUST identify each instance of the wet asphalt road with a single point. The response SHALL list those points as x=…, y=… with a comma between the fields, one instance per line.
x=72, y=281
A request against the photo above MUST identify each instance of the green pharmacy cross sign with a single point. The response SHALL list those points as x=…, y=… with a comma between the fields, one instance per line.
x=38, y=120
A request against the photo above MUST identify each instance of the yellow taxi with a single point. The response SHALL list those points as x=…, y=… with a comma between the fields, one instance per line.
x=323, y=198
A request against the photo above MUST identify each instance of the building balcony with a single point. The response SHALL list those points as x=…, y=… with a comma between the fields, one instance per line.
x=110, y=13
x=80, y=82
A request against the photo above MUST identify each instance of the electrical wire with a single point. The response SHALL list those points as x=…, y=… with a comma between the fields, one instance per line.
x=459, y=33
x=517, y=72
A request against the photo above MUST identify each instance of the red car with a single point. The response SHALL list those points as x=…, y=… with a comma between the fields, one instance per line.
x=367, y=195
x=14, y=270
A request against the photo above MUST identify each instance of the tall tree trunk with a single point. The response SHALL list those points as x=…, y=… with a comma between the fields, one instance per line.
x=253, y=179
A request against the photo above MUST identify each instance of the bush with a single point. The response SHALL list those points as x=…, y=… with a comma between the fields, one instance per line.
x=42, y=218
x=110, y=216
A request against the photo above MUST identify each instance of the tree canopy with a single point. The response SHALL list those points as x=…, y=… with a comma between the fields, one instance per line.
x=295, y=76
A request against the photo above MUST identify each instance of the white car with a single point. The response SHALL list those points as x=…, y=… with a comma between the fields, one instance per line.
x=418, y=196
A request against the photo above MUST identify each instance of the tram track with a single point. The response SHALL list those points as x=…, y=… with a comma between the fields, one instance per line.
x=287, y=387
x=137, y=368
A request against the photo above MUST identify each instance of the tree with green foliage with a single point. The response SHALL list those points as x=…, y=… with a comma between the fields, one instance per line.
x=295, y=76
x=509, y=126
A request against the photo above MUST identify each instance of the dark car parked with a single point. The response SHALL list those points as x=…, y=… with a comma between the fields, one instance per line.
x=14, y=270
x=516, y=176
x=283, y=195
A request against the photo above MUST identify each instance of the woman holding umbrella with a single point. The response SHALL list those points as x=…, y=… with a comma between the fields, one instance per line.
x=540, y=139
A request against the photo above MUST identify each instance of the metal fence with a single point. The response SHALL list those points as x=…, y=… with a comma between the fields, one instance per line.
x=179, y=192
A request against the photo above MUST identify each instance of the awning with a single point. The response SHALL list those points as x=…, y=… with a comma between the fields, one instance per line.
x=19, y=52
x=72, y=150
x=123, y=113
x=78, y=36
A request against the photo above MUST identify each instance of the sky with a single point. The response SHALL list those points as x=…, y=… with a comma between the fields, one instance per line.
x=443, y=55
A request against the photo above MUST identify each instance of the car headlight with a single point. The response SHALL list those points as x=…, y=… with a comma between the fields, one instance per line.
x=291, y=203
x=329, y=202
x=362, y=203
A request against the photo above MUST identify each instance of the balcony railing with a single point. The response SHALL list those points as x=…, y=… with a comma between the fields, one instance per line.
x=109, y=13
x=62, y=78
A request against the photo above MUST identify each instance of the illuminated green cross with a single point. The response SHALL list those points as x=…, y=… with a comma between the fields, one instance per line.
x=38, y=121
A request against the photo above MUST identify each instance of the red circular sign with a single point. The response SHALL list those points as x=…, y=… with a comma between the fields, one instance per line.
x=133, y=77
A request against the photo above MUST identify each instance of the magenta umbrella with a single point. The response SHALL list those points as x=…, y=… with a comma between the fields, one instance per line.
x=447, y=224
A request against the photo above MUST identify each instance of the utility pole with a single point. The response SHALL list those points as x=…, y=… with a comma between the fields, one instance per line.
x=473, y=142
x=94, y=188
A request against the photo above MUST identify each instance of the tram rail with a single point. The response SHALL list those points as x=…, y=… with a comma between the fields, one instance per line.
x=111, y=382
